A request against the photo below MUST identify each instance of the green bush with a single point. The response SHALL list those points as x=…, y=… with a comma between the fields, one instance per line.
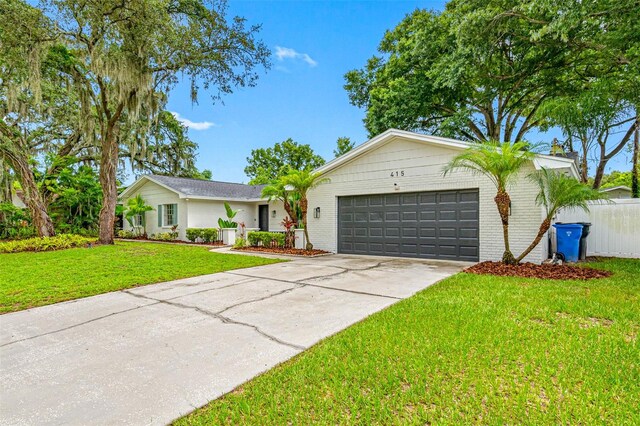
x=266, y=239
x=209, y=235
x=164, y=236
x=15, y=223
x=59, y=242
x=194, y=233
x=126, y=234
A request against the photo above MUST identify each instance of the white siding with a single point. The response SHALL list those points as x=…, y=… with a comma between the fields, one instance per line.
x=154, y=195
x=205, y=213
x=615, y=227
x=201, y=213
x=422, y=165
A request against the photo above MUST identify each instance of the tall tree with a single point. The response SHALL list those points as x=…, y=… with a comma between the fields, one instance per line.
x=597, y=123
x=266, y=165
x=343, y=145
x=125, y=53
x=38, y=104
x=460, y=73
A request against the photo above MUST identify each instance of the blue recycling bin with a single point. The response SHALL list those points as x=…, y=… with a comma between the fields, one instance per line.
x=568, y=240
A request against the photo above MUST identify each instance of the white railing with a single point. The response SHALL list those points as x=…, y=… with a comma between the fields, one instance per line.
x=615, y=227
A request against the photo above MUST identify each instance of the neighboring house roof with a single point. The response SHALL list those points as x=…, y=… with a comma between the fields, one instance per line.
x=617, y=188
x=540, y=160
x=200, y=189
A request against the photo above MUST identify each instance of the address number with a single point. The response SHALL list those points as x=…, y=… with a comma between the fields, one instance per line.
x=397, y=173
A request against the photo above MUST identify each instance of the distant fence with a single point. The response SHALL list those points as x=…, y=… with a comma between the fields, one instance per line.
x=615, y=227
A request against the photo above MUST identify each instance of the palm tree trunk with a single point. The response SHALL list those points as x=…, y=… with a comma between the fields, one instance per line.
x=503, y=202
x=304, y=204
x=544, y=227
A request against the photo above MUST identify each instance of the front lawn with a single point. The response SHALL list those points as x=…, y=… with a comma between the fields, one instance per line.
x=471, y=349
x=35, y=279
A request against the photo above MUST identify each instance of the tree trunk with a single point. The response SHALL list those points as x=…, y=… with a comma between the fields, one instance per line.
x=503, y=202
x=597, y=180
x=290, y=210
x=635, y=186
x=32, y=196
x=304, y=204
x=544, y=227
x=108, y=170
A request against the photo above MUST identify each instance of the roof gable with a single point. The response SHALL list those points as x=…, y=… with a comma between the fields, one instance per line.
x=540, y=160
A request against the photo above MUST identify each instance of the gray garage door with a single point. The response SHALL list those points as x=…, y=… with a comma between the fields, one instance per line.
x=431, y=225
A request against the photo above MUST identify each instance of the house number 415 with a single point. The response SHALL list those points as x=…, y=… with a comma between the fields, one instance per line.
x=397, y=173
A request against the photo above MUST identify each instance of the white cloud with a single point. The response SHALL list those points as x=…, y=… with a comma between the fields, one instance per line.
x=195, y=125
x=283, y=53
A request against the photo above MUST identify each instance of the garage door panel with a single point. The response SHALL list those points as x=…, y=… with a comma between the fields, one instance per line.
x=410, y=249
x=392, y=216
x=469, y=196
x=376, y=200
x=376, y=232
x=411, y=216
x=392, y=232
x=431, y=225
x=392, y=248
x=410, y=232
x=409, y=199
x=447, y=198
x=468, y=233
x=360, y=201
x=376, y=216
x=469, y=251
x=392, y=200
x=428, y=198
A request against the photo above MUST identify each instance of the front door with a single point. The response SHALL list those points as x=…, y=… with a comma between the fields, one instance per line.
x=263, y=217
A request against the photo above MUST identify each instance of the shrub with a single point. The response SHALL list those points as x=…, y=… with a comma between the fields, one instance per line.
x=240, y=243
x=194, y=233
x=59, y=242
x=164, y=236
x=126, y=234
x=15, y=223
x=266, y=239
x=209, y=235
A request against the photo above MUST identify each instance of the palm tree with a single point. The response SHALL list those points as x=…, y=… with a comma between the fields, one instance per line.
x=278, y=191
x=301, y=182
x=501, y=163
x=137, y=206
x=558, y=191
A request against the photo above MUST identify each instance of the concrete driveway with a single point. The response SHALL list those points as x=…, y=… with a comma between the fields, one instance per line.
x=152, y=354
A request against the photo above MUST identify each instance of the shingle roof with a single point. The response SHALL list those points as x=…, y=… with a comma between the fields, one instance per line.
x=209, y=188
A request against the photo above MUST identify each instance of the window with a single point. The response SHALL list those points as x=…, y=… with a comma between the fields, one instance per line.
x=137, y=220
x=169, y=214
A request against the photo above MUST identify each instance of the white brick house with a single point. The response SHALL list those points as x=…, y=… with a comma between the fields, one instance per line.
x=388, y=196
x=398, y=175
x=194, y=203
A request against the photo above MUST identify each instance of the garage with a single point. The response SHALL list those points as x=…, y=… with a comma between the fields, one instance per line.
x=390, y=197
x=430, y=225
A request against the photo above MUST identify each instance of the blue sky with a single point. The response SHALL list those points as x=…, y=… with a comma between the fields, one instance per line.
x=302, y=97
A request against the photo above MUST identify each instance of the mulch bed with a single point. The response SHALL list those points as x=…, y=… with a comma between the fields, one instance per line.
x=531, y=270
x=288, y=251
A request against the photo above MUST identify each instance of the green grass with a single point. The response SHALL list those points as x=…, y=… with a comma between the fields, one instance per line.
x=35, y=279
x=469, y=350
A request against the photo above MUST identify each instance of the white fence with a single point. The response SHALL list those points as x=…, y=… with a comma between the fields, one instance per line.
x=615, y=227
